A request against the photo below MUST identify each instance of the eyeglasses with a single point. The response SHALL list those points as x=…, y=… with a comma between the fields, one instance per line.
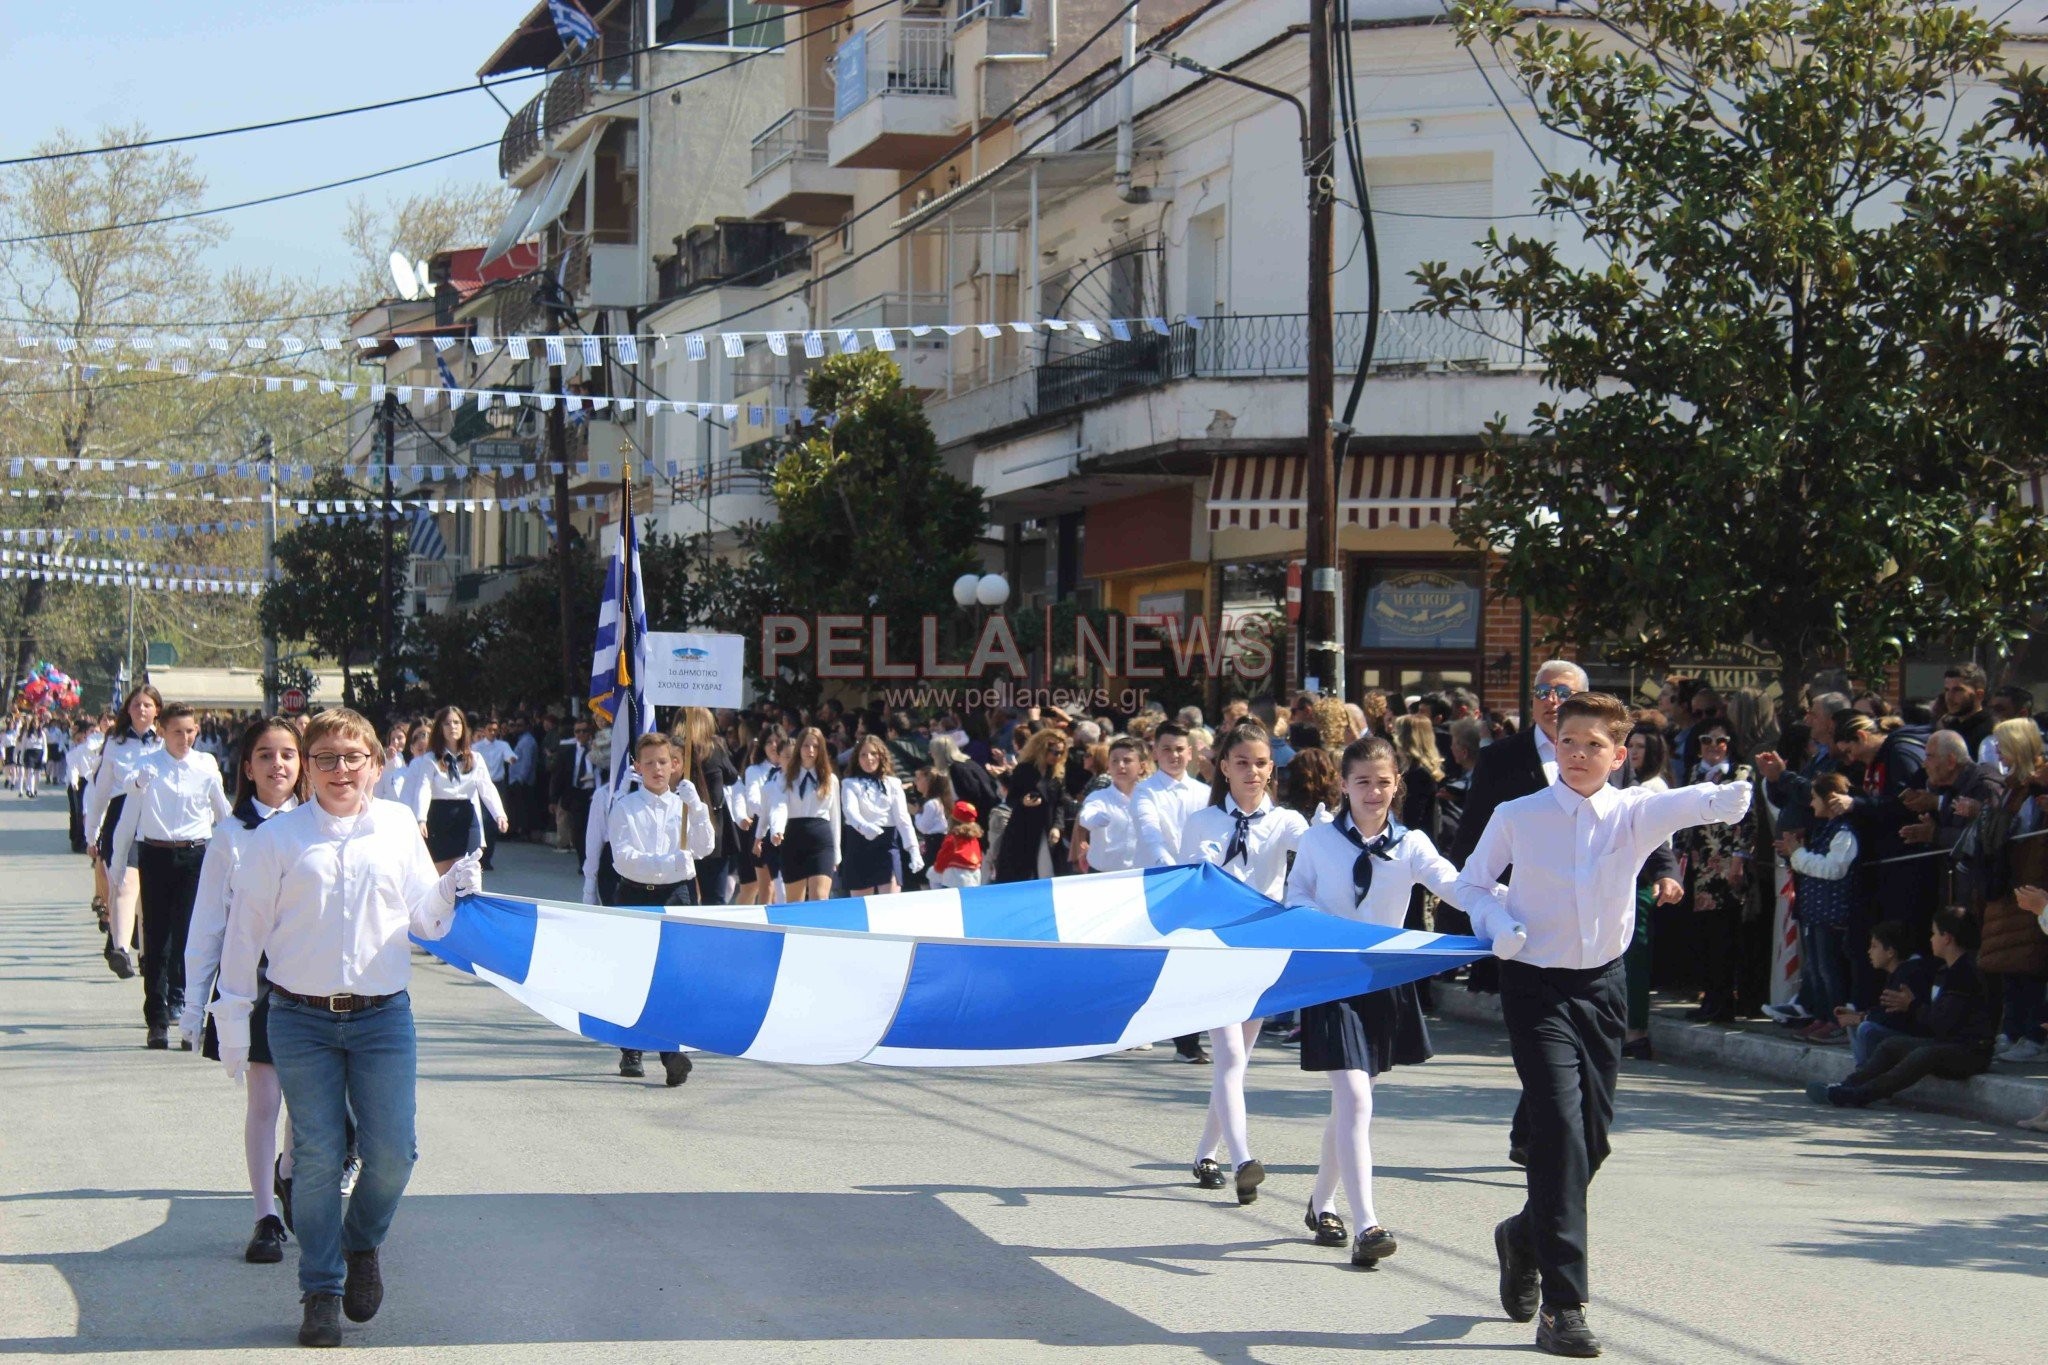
x=349, y=762
x=1555, y=692
x=1713, y=741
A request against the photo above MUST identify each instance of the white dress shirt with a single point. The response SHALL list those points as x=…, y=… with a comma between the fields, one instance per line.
x=873, y=808
x=178, y=799
x=391, y=783
x=932, y=818
x=786, y=803
x=329, y=901
x=1112, y=826
x=118, y=758
x=1546, y=754
x=1575, y=859
x=426, y=782
x=1324, y=862
x=1275, y=833
x=647, y=837
x=497, y=756
x=79, y=761
x=1160, y=807
x=211, y=907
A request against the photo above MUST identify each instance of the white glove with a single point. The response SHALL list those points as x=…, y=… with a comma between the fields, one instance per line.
x=235, y=1061
x=191, y=1023
x=139, y=780
x=1510, y=941
x=1730, y=802
x=465, y=878
x=916, y=865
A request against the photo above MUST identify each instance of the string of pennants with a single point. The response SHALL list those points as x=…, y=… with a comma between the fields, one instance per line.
x=65, y=536
x=19, y=466
x=96, y=565
x=309, y=509
x=625, y=346
x=159, y=582
x=134, y=494
x=343, y=509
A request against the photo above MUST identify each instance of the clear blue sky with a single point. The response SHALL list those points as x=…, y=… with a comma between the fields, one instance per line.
x=187, y=66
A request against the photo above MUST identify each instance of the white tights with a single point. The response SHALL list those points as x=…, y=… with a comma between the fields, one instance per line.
x=259, y=1134
x=1347, y=1149
x=1231, y=1048
x=123, y=906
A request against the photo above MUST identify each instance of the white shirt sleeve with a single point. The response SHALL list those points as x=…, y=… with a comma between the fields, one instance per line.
x=222, y=807
x=99, y=792
x=1659, y=815
x=850, y=811
x=931, y=819
x=209, y=926
x=126, y=830
x=1301, y=879
x=487, y=791
x=906, y=832
x=594, y=830
x=260, y=881
x=1830, y=866
x=1152, y=849
x=1478, y=891
x=699, y=836
x=419, y=785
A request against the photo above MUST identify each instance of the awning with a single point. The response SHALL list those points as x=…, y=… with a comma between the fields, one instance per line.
x=519, y=218
x=567, y=176
x=1255, y=492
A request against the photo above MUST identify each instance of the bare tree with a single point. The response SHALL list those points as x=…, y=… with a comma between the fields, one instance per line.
x=449, y=216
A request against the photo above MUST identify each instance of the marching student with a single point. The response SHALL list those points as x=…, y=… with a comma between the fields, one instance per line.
x=877, y=818
x=269, y=780
x=1245, y=834
x=175, y=799
x=451, y=791
x=1362, y=866
x=133, y=737
x=497, y=760
x=656, y=834
x=1576, y=847
x=958, y=861
x=327, y=894
x=80, y=758
x=1160, y=808
x=35, y=755
x=1107, y=814
x=803, y=818
x=757, y=876
x=399, y=751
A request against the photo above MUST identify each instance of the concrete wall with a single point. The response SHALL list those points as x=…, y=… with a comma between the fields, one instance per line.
x=696, y=152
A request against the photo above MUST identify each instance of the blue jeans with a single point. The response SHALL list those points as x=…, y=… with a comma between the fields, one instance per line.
x=329, y=1065
x=2023, y=1006
x=1824, y=969
x=1863, y=1042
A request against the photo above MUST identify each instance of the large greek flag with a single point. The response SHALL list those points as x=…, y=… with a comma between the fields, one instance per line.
x=618, y=661
x=1032, y=972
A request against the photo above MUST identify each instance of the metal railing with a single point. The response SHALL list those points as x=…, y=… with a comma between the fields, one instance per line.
x=799, y=135
x=896, y=310
x=901, y=56
x=590, y=75
x=1276, y=345
x=523, y=137
x=966, y=12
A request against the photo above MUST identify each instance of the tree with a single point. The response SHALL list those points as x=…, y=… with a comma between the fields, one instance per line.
x=869, y=520
x=1764, y=429
x=451, y=215
x=327, y=589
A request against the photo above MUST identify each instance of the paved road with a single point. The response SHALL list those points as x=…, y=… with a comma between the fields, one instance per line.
x=772, y=1213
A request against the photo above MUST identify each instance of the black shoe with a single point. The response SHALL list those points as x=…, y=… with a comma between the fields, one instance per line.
x=1638, y=1050
x=1209, y=1175
x=362, y=1294
x=267, y=1246
x=1563, y=1332
x=677, y=1065
x=629, y=1063
x=281, y=1186
x=119, y=962
x=1374, y=1245
x=1714, y=1010
x=1328, y=1228
x=159, y=1040
x=1250, y=1176
x=1840, y=1096
x=1519, y=1154
x=1521, y=1285
x=1197, y=1057
x=322, y=1326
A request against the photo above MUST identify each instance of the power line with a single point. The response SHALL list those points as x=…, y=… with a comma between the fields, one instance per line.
x=425, y=161
x=397, y=103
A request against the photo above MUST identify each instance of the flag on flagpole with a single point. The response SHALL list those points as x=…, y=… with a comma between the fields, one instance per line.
x=618, y=665
x=427, y=542
x=572, y=25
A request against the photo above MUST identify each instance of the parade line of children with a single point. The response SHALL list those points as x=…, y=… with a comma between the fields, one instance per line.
x=275, y=935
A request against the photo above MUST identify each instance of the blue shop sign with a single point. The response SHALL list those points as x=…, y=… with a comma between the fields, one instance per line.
x=1420, y=609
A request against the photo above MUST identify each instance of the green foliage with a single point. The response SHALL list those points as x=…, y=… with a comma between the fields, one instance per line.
x=506, y=655
x=329, y=578
x=1786, y=409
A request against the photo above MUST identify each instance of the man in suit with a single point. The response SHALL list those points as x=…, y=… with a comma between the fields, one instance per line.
x=575, y=776
x=1522, y=765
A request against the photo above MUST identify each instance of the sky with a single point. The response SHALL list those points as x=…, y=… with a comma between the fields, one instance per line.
x=185, y=67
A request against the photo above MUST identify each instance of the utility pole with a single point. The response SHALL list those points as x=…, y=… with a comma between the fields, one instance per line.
x=269, y=458
x=1322, y=656
x=387, y=618
x=558, y=454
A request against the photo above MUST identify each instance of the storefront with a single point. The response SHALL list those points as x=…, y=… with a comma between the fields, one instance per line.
x=1414, y=622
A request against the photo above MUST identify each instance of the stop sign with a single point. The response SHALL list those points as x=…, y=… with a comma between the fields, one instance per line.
x=292, y=700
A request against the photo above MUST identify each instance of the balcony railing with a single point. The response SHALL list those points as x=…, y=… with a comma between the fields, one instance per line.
x=966, y=12
x=895, y=310
x=896, y=57
x=799, y=135
x=523, y=137
x=1276, y=344
x=588, y=77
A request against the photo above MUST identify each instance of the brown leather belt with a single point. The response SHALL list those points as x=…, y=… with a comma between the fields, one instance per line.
x=334, y=1004
x=175, y=843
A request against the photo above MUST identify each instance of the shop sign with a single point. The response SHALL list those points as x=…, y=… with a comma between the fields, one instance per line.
x=1420, y=609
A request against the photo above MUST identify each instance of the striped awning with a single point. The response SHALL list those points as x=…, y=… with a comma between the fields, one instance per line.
x=1267, y=492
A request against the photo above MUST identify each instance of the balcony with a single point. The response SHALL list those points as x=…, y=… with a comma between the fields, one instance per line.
x=1275, y=345
x=793, y=179
x=590, y=78
x=925, y=362
x=893, y=106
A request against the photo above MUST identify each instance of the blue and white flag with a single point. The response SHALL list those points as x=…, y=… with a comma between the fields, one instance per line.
x=1038, y=971
x=618, y=663
x=572, y=25
x=427, y=542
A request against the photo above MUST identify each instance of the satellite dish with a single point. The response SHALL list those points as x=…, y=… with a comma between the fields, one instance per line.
x=426, y=280
x=404, y=276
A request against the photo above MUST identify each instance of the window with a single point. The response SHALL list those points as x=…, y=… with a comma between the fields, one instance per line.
x=967, y=11
x=717, y=23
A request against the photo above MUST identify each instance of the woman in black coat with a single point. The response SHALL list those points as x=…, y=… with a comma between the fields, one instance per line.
x=1033, y=843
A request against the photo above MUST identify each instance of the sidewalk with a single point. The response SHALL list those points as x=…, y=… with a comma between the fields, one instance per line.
x=1764, y=1051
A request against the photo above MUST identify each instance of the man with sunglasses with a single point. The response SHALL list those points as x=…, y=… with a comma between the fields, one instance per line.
x=325, y=897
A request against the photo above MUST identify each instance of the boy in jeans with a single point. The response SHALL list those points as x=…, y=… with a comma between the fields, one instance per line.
x=1909, y=981
x=1823, y=858
x=1958, y=1017
x=1575, y=847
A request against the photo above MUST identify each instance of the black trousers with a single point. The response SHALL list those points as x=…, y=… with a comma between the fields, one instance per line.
x=1565, y=1030
x=74, y=797
x=1898, y=1062
x=169, y=879
x=579, y=799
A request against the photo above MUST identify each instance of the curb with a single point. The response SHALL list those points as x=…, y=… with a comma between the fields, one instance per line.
x=1994, y=1097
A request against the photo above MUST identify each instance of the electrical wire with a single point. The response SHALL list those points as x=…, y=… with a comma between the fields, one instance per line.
x=399, y=102
x=1347, y=101
x=425, y=161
